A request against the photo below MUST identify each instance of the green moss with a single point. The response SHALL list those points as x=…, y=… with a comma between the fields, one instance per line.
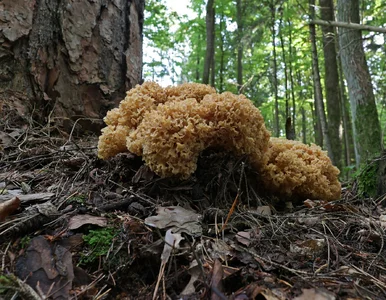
x=5, y=283
x=367, y=180
x=79, y=198
x=99, y=242
x=24, y=242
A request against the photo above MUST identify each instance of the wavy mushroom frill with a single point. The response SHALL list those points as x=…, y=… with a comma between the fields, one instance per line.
x=298, y=171
x=139, y=101
x=238, y=126
x=171, y=137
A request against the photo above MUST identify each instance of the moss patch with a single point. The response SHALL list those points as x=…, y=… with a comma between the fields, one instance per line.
x=99, y=242
x=367, y=180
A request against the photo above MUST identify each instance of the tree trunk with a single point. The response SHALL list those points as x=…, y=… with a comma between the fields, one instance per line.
x=367, y=130
x=331, y=82
x=67, y=60
x=304, y=125
x=291, y=76
x=239, y=45
x=276, y=125
x=349, y=145
x=285, y=71
x=222, y=53
x=318, y=88
x=209, y=56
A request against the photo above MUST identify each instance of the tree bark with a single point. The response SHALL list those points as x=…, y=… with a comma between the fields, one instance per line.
x=222, y=53
x=291, y=76
x=239, y=44
x=276, y=125
x=66, y=59
x=331, y=82
x=367, y=130
x=209, y=56
x=319, y=106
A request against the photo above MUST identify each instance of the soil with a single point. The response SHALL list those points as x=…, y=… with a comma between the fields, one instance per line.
x=77, y=227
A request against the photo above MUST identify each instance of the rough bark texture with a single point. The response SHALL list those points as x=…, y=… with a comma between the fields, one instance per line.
x=331, y=81
x=69, y=59
x=367, y=131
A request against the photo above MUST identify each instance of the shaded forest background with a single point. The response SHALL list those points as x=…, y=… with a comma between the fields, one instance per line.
x=317, y=84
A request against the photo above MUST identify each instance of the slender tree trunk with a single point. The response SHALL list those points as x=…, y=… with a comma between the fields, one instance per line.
x=287, y=109
x=304, y=125
x=331, y=81
x=349, y=145
x=222, y=53
x=302, y=109
x=318, y=88
x=276, y=126
x=239, y=9
x=291, y=76
x=71, y=60
x=209, y=56
x=212, y=71
x=367, y=130
x=198, y=60
x=317, y=126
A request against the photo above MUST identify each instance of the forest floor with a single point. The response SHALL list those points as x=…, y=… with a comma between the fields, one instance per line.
x=75, y=227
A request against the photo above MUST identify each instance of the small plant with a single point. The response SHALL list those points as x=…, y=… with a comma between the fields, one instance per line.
x=24, y=242
x=78, y=198
x=99, y=242
x=367, y=180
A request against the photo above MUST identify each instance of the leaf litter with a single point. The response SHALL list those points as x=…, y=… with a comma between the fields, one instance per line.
x=84, y=228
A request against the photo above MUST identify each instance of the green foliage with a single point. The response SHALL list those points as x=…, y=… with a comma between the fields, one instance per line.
x=99, y=242
x=367, y=180
x=25, y=240
x=78, y=198
x=5, y=282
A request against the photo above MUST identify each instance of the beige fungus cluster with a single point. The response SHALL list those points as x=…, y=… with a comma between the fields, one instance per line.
x=300, y=171
x=169, y=127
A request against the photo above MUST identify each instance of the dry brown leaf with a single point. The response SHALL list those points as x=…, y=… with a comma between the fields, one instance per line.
x=8, y=207
x=80, y=220
x=216, y=282
x=244, y=237
x=313, y=294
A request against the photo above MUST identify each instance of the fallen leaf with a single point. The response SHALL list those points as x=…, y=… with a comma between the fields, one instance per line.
x=80, y=220
x=264, y=210
x=244, y=237
x=47, y=264
x=216, y=282
x=194, y=272
x=172, y=241
x=176, y=218
x=313, y=294
x=308, y=247
x=382, y=219
x=8, y=207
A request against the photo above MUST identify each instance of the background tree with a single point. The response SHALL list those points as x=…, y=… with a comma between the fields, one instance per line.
x=319, y=105
x=210, y=38
x=66, y=59
x=331, y=81
x=367, y=131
